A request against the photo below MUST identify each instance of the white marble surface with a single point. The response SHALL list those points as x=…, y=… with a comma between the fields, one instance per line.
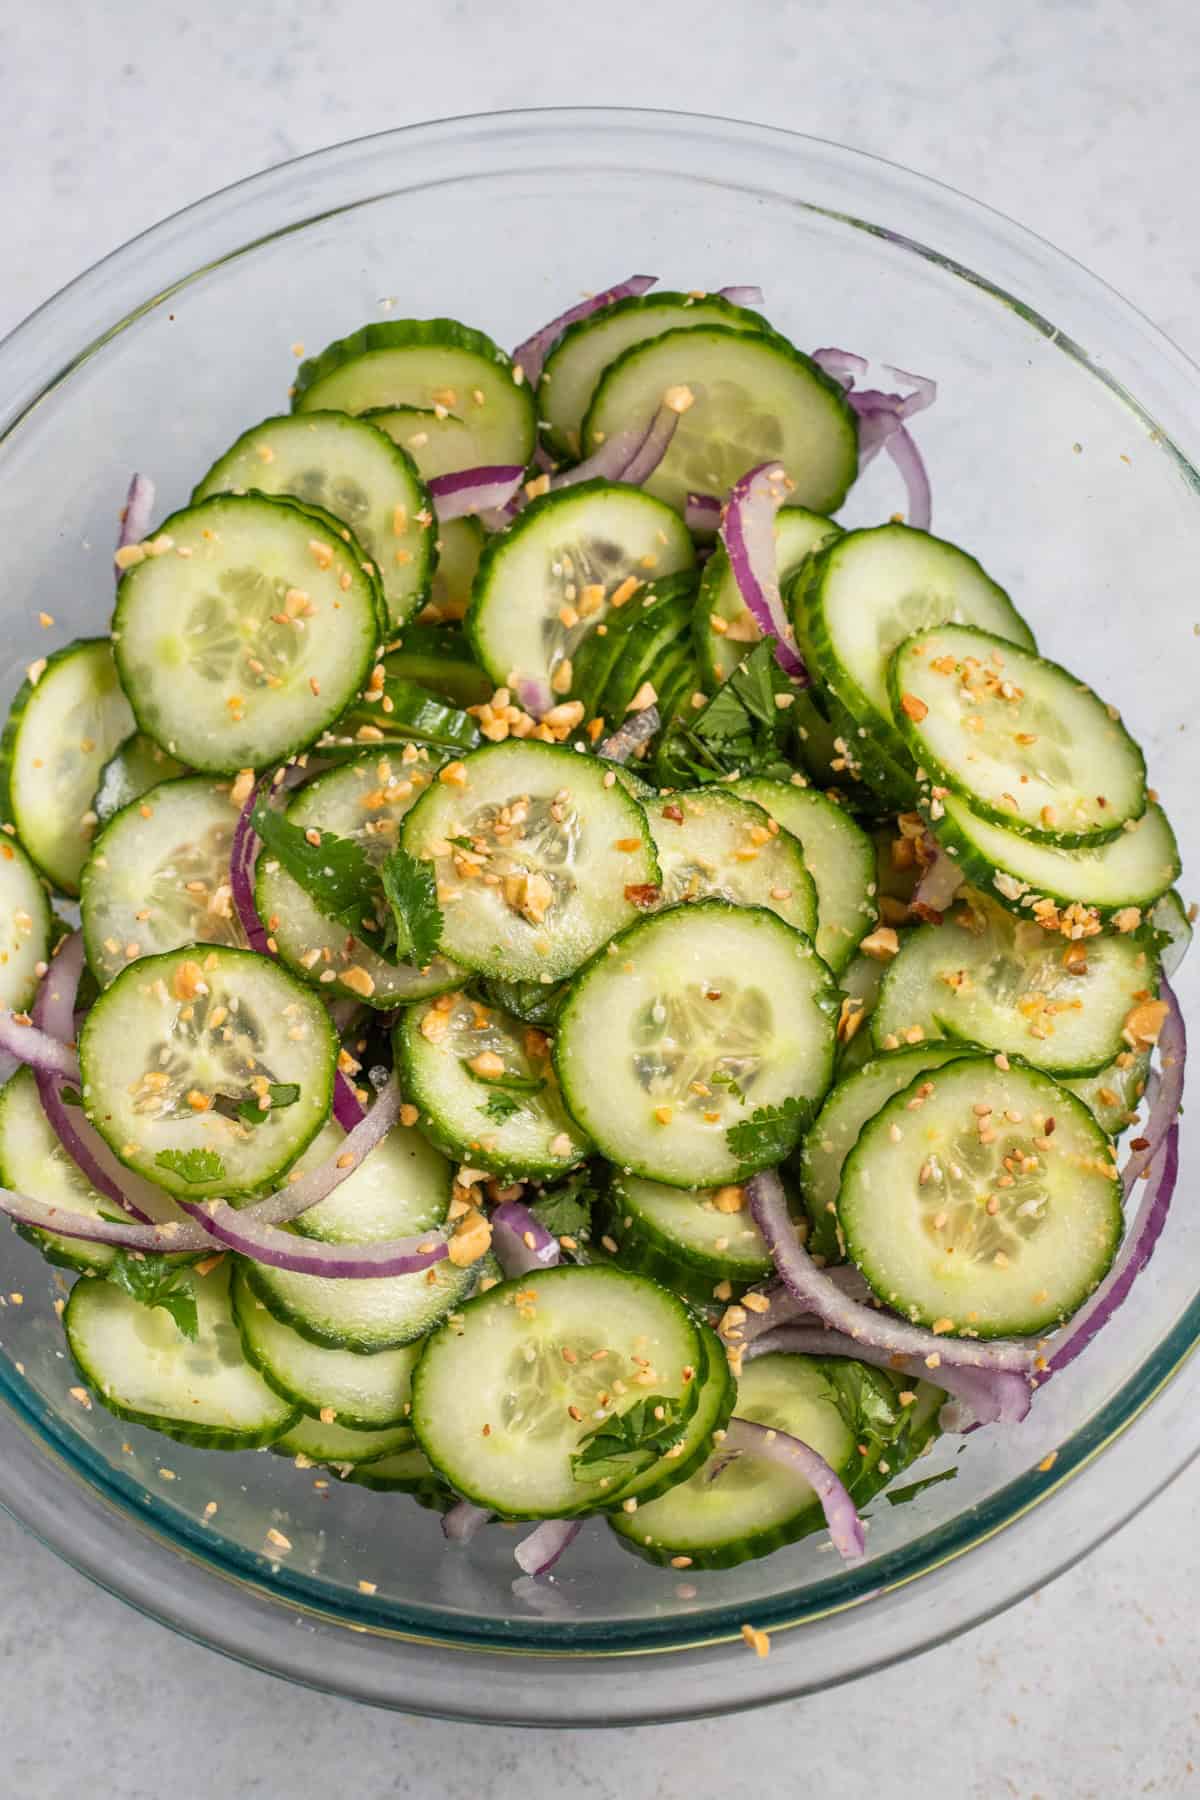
x=1077, y=116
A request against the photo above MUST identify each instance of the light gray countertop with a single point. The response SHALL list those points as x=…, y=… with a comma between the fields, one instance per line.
x=1077, y=117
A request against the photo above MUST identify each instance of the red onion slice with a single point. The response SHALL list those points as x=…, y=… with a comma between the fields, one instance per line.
x=249, y=1236
x=983, y=1396
x=135, y=515
x=521, y=1244
x=748, y=534
x=882, y=1331
x=347, y=1109
x=939, y=881
x=637, y=730
x=631, y=455
x=168, y=1239
x=742, y=296
x=463, y=1520
x=530, y=355
x=702, y=512
x=538, y=1553
x=534, y=695
x=902, y=449
x=475, y=490
x=1167, y=1092
x=745, y=1438
x=842, y=365
x=46, y=1054
x=296, y=1197
x=242, y=857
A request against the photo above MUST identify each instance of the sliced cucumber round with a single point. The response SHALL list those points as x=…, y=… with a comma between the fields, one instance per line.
x=836, y=1128
x=158, y=876
x=486, y=1087
x=684, y=1028
x=427, y=363
x=25, y=926
x=248, y=635
x=649, y=643
x=1024, y=742
x=726, y=629
x=859, y=981
x=180, y=1046
x=1016, y=988
x=1121, y=877
x=440, y=442
x=68, y=717
x=716, y=843
x=586, y=349
x=400, y=1189
x=568, y=563
x=135, y=766
x=355, y=472
x=460, y=545
x=340, y=1446
x=1114, y=1095
x=359, y=1393
x=363, y=800
x=438, y=657
x=993, y=1208
x=755, y=399
x=838, y=854
x=728, y=1514
x=538, y=860
x=378, y=1313
x=140, y=1366
x=714, y=1404
x=33, y=1161
x=404, y=1472
x=854, y=601
x=506, y=1398
x=691, y=1239
x=1175, y=921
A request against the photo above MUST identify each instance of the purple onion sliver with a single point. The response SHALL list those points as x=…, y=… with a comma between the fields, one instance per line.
x=748, y=534
x=317, y=1184
x=742, y=296
x=166, y=1239
x=347, y=1109
x=530, y=355
x=1167, y=1092
x=939, y=880
x=843, y=365
x=242, y=857
x=136, y=515
x=637, y=730
x=463, y=1520
x=989, y=1396
x=924, y=391
x=702, y=512
x=813, y=1288
x=538, y=1553
x=654, y=446
x=475, y=490
x=243, y=1232
x=744, y=1437
x=520, y=1243
x=49, y=1055
x=534, y=695
x=902, y=448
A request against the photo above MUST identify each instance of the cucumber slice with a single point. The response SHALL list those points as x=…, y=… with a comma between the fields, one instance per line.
x=340, y=1446
x=427, y=363
x=1121, y=878
x=363, y=800
x=358, y=474
x=1171, y=917
x=62, y=728
x=559, y=571
x=460, y=545
x=727, y=1515
x=136, y=765
x=1015, y=988
x=362, y=1394
x=439, y=442
x=158, y=876
x=438, y=657
x=396, y=716
x=586, y=349
x=566, y=849
x=1022, y=740
x=718, y=844
x=486, y=1088
x=756, y=399
x=836, y=1128
x=379, y=1313
x=857, y=599
x=404, y=1472
x=401, y=1189
x=26, y=926
x=714, y=1405
x=691, y=1239
x=33, y=1161
x=140, y=1366
x=180, y=1042
x=211, y=673
x=970, y=1215
x=656, y=641
x=860, y=980
x=500, y=1408
x=1114, y=1095
x=839, y=856
x=682, y=1027
x=726, y=629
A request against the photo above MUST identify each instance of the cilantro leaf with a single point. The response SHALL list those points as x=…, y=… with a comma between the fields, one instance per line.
x=565, y=1210
x=335, y=873
x=741, y=729
x=411, y=892
x=501, y=1106
x=192, y=1165
x=769, y=1134
x=901, y=1496
x=282, y=1093
x=627, y=1442
x=534, y=1002
x=157, y=1281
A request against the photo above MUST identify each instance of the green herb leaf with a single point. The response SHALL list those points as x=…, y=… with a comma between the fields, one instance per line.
x=722, y=1078
x=769, y=1134
x=412, y=895
x=156, y=1281
x=627, y=1442
x=565, y=1210
x=282, y=1093
x=741, y=728
x=534, y=1002
x=335, y=874
x=901, y=1496
x=70, y=1096
x=501, y=1106
x=192, y=1165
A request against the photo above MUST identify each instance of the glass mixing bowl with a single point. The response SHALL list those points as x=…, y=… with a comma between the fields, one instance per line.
x=1063, y=452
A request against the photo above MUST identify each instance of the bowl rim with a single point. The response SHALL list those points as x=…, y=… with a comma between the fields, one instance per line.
x=143, y=274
